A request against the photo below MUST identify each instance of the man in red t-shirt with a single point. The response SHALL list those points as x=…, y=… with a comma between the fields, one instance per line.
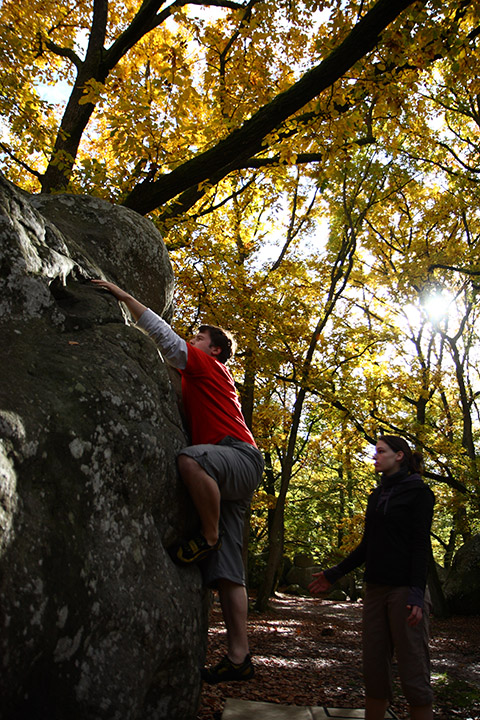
x=221, y=469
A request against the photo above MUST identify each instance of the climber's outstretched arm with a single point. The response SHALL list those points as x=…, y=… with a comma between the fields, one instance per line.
x=171, y=345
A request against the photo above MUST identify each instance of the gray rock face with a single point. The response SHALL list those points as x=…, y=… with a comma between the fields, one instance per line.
x=462, y=584
x=113, y=241
x=96, y=621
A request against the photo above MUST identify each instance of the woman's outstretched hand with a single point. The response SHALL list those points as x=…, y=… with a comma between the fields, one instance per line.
x=320, y=584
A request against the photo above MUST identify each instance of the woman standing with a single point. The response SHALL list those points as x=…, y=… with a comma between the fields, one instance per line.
x=395, y=549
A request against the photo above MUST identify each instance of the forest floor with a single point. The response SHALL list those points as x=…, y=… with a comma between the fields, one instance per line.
x=307, y=652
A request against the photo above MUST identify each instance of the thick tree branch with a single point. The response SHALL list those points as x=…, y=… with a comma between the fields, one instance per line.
x=447, y=480
x=97, y=65
x=236, y=149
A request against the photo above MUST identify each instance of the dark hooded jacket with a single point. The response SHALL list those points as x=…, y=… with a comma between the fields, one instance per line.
x=395, y=546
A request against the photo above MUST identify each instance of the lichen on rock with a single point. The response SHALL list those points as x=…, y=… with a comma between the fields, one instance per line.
x=96, y=620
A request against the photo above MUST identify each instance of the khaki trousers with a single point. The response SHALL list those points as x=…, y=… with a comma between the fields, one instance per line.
x=385, y=632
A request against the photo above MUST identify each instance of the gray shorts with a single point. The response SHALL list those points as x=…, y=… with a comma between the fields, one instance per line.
x=237, y=468
x=385, y=630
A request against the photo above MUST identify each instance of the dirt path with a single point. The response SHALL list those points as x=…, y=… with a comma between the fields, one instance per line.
x=307, y=652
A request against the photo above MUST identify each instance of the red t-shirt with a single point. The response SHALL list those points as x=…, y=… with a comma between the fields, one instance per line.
x=210, y=400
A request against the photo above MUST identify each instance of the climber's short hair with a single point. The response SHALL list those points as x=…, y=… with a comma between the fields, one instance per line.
x=220, y=338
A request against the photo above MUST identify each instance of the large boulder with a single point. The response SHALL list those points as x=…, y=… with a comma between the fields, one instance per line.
x=112, y=241
x=96, y=621
x=462, y=584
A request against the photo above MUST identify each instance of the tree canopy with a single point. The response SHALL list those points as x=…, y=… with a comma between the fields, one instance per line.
x=314, y=168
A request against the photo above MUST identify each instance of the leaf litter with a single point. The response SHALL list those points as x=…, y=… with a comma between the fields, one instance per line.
x=307, y=652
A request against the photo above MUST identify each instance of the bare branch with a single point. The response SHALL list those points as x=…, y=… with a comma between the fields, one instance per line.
x=149, y=18
x=26, y=167
x=454, y=268
x=63, y=52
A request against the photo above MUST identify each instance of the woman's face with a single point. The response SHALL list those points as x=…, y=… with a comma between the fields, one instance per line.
x=387, y=461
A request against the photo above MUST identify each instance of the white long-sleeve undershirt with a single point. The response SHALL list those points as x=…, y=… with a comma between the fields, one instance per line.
x=172, y=346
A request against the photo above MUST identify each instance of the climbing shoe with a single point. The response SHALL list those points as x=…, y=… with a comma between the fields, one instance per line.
x=194, y=550
x=227, y=671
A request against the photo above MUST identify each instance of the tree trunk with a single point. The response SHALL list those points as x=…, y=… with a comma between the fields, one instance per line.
x=247, y=403
x=76, y=116
x=275, y=555
x=439, y=602
x=276, y=536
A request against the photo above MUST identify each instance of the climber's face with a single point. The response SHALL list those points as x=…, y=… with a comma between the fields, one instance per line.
x=203, y=342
